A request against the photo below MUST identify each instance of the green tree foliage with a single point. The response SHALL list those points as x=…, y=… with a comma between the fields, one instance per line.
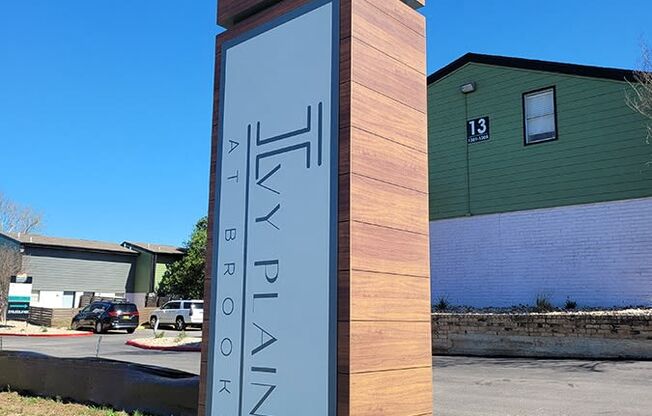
x=185, y=277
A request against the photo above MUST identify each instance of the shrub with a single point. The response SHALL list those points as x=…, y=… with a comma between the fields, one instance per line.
x=570, y=304
x=182, y=335
x=158, y=335
x=443, y=304
x=543, y=304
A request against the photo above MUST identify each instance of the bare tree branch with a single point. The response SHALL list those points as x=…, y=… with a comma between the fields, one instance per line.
x=10, y=265
x=15, y=218
x=639, y=97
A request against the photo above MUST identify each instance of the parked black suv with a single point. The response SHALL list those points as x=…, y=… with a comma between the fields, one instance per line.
x=105, y=315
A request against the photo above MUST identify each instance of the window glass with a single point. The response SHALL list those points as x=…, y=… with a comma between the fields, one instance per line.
x=198, y=305
x=125, y=307
x=540, y=124
x=175, y=305
x=98, y=307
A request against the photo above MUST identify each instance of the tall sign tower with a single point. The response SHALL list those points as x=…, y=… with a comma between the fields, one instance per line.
x=317, y=291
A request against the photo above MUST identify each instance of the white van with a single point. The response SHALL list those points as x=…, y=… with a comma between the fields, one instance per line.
x=180, y=313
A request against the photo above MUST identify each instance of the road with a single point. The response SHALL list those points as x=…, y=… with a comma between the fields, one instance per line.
x=111, y=346
x=467, y=386
x=463, y=386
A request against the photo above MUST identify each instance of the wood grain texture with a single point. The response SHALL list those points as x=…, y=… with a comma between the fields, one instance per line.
x=369, y=346
x=398, y=393
x=368, y=296
x=378, y=114
x=372, y=25
x=404, y=14
x=380, y=158
x=380, y=72
x=374, y=201
x=230, y=12
x=384, y=287
x=384, y=296
x=385, y=250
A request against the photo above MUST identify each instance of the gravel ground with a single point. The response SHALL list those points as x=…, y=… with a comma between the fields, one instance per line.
x=178, y=341
x=529, y=310
x=23, y=328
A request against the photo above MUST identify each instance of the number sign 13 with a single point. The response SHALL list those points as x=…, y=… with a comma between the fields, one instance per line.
x=477, y=130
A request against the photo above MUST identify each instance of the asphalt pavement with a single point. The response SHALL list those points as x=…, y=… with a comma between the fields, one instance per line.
x=111, y=346
x=463, y=386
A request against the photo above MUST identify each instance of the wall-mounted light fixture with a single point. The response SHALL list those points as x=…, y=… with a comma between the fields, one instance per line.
x=468, y=88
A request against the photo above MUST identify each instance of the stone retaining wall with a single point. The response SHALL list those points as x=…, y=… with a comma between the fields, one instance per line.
x=568, y=335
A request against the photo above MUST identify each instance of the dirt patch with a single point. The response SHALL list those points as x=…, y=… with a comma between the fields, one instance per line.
x=26, y=329
x=13, y=404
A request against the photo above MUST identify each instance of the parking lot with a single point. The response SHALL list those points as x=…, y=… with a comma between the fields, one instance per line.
x=463, y=386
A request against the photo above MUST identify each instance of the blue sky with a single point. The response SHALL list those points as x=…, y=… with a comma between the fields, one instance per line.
x=105, y=105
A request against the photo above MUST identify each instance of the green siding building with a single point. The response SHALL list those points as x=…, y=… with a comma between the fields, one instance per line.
x=151, y=265
x=538, y=184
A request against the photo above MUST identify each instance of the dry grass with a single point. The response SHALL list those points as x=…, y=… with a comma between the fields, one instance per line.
x=23, y=328
x=13, y=404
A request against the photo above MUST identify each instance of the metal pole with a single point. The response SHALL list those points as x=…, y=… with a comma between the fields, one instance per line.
x=97, y=350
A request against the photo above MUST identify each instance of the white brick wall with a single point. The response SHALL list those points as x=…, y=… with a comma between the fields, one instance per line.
x=596, y=254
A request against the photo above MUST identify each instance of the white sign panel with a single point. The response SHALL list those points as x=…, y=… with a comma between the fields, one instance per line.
x=273, y=313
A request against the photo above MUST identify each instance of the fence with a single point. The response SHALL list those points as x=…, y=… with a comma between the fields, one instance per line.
x=61, y=318
x=57, y=318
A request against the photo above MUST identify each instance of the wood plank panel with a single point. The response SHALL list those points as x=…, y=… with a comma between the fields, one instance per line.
x=385, y=250
x=381, y=138
x=387, y=205
x=345, y=150
x=400, y=11
x=378, y=71
x=344, y=212
x=344, y=245
x=366, y=296
x=229, y=11
x=379, y=158
x=397, y=393
x=376, y=28
x=369, y=346
x=241, y=22
x=382, y=116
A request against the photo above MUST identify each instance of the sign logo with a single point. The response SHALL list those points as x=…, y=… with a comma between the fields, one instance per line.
x=20, y=292
x=273, y=315
x=477, y=130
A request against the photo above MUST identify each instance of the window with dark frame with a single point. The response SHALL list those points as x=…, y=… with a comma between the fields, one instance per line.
x=540, y=118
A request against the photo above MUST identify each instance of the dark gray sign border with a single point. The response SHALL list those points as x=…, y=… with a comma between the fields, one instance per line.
x=334, y=190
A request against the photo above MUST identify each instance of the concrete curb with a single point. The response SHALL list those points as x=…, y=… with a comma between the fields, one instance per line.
x=119, y=385
x=80, y=334
x=135, y=343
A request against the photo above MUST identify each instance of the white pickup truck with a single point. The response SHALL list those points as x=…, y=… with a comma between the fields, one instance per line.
x=180, y=313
